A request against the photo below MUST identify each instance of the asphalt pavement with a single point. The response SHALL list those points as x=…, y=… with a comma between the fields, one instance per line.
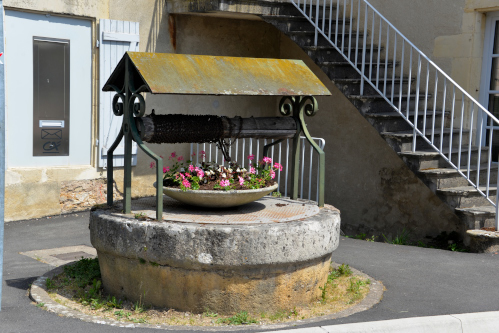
x=418, y=281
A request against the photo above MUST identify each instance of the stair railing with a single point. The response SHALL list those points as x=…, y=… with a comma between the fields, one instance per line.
x=452, y=112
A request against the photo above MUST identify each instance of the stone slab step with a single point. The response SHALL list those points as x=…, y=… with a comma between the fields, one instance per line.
x=402, y=141
x=329, y=53
x=393, y=121
x=466, y=196
x=441, y=178
x=351, y=85
x=306, y=38
x=430, y=159
x=475, y=218
x=287, y=23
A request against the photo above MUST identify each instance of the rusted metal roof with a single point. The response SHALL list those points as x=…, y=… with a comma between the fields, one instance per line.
x=166, y=73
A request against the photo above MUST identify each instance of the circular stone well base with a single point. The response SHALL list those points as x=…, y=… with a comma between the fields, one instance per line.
x=271, y=254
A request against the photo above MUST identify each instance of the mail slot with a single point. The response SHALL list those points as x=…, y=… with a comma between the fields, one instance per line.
x=50, y=97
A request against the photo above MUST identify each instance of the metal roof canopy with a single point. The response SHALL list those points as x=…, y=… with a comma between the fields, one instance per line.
x=167, y=73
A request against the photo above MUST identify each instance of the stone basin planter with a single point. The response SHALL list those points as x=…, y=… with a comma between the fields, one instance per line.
x=218, y=199
x=270, y=254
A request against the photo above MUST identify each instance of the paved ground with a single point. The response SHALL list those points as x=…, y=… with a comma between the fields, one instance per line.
x=419, y=282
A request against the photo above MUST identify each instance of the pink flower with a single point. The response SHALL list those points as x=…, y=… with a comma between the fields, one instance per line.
x=186, y=183
x=252, y=170
x=180, y=158
x=165, y=169
x=202, y=154
x=241, y=181
x=182, y=176
x=267, y=159
x=191, y=168
x=152, y=165
x=224, y=183
x=278, y=166
x=193, y=154
x=251, y=157
x=272, y=174
x=200, y=173
x=188, y=174
x=173, y=155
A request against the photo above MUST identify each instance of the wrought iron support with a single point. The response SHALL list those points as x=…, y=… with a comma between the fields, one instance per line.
x=299, y=106
x=130, y=109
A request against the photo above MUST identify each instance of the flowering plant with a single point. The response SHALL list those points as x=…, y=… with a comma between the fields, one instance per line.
x=212, y=176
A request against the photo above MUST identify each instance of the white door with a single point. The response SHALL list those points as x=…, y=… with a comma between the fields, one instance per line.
x=489, y=87
x=117, y=37
x=33, y=38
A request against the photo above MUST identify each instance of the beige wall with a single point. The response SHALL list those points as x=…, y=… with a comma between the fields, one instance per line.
x=450, y=32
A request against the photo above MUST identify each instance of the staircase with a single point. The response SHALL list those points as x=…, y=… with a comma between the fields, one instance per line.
x=439, y=149
x=474, y=209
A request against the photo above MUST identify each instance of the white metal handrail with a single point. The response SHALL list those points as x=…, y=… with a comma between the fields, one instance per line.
x=329, y=18
x=280, y=153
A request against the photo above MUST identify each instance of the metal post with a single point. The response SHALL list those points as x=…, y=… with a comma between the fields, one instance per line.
x=2, y=146
x=127, y=169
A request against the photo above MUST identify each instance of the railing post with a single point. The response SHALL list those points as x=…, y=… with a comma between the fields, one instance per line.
x=316, y=22
x=364, y=46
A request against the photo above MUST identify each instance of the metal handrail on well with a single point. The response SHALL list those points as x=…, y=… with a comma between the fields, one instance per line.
x=280, y=153
x=364, y=53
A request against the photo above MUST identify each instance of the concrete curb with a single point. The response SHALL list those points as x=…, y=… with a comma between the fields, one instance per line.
x=480, y=322
x=38, y=293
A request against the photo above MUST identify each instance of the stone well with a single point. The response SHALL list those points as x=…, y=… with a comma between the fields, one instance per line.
x=271, y=254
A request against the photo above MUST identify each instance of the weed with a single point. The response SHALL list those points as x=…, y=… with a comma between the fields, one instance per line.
x=372, y=239
x=241, y=318
x=323, y=293
x=361, y=236
x=402, y=239
x=276, y=194
x=284, y=314
x=208, y=313
x=84, y=271
x=113, y=302
x=457, y=248
x=50, y=284
x=142, y=261
x=140, y=216
x=138, y=307
x=344, y=270
x=40, y=305
x=120, y=314
x=155, y=264
x=139, y=320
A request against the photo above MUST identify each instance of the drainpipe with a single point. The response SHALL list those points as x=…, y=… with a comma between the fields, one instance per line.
x=2, y=144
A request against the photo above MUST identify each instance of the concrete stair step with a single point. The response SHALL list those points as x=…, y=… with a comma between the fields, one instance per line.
x=476, y=218
x=402, y=140
x=466, y=196
x=287, y=23
x=441, y=178
x=430, y=159
x=343, y=70
x=393, y=121
x=307, y=38
x=328, y=53
x=350, y=84
x=288, y=9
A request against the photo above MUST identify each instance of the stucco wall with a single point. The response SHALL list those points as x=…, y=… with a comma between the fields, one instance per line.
x=450, y=32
